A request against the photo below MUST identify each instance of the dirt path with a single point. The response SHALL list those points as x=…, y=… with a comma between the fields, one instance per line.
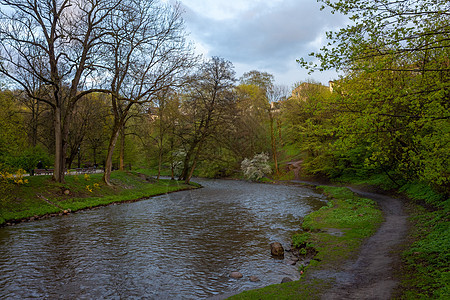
x=371, y=275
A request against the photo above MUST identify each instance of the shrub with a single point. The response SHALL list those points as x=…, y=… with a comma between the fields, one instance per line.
x=257, y=167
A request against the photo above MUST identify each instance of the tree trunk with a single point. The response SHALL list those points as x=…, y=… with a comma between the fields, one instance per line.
x=279, y=131
x=187, y=159
x=94, y=154
x=160, y=147
x=58, y=171
x=108, y=162
x=274, y=146
x=159, y=163
x=194, y=163
x=70, y=159
x=122, y=147
x=34, y=122
x=172, y=172
x=188, y=179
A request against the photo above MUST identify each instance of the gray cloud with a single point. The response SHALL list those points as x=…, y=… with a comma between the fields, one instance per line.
x=265, y=38
x=263, y=35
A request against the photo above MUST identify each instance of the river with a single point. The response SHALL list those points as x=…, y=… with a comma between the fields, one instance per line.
x=177, y=246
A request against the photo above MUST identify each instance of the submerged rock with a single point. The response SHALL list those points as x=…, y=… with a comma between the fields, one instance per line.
x=291, y=262
x=236, y=275
x=254, y=279
x=276, y=249
x=286, y=279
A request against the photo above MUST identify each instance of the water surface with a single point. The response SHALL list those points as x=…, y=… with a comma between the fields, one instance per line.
x=181, y=245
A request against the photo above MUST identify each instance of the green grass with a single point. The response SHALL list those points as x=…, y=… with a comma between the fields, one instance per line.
x=358, y=218
x=425, y=272
x=25, y=201
x=165, y=171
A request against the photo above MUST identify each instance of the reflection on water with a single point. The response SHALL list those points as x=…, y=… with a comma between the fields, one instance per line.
x=180, y=245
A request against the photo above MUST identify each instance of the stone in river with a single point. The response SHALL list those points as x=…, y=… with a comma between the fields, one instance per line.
x=286, y=279
x=291, y=262
x=276, y=249
x=254, y=279
x=236, y=275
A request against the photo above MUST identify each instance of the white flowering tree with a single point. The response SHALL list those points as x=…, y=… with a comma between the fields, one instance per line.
x=257, y=167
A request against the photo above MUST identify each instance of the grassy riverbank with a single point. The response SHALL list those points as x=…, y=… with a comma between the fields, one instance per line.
x=42, y=197
x=336, y=232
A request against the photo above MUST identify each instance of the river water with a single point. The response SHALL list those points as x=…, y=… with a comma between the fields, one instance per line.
x=177, y=246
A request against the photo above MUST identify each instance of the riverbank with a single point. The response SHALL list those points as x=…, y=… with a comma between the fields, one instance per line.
x=416, y=266
x=336, y=232
x=40, y=197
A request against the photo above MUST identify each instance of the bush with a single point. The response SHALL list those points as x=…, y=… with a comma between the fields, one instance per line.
x=29, y=159
x=257, y=167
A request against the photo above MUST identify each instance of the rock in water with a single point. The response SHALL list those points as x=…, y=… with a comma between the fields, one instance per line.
x=254, y=279
x=286, y=279
x=276, y=249
x=236, y=275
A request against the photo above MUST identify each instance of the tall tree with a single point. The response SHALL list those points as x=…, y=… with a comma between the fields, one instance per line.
x=273, y=94
x=250, y=134
x=11, y=127
x=209, y=96
x=395, y=93
x=57, y=44
x=149, y=54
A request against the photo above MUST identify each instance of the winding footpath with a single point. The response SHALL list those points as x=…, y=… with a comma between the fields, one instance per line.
x=371, y=274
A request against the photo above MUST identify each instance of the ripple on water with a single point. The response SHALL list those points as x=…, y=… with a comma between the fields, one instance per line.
x=180, y=245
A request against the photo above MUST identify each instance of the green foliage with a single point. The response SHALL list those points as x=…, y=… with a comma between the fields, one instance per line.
x=299, y=240
x=424, y=192
x=389, y=113
x=426, y=268
x=29, y=158
x=12, y=136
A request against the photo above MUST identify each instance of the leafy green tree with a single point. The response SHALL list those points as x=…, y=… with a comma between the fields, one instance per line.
x=12, y=133
x=393, y=99
x=415, y=31
x=309, y=116
x=163, y=120
x=249, y=134
x=53, y=46
x=271, y=95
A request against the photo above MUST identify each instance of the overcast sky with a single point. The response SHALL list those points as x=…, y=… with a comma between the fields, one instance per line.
x=264, y=35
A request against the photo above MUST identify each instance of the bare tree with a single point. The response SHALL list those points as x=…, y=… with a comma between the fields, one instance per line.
x=209, y=96
x=87, y=122
x=149, y=54
x=56, y=43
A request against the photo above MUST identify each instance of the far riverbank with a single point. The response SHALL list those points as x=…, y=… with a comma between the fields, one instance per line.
x=40, y=197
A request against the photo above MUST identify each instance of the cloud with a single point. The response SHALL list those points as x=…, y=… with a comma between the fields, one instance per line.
x=263, y=35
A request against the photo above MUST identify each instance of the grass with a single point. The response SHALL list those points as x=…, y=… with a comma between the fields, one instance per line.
x=357, y=218
x=78, y=192
x=425, y=263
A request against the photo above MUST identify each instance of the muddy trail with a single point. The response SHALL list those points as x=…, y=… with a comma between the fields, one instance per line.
x=371, y=274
